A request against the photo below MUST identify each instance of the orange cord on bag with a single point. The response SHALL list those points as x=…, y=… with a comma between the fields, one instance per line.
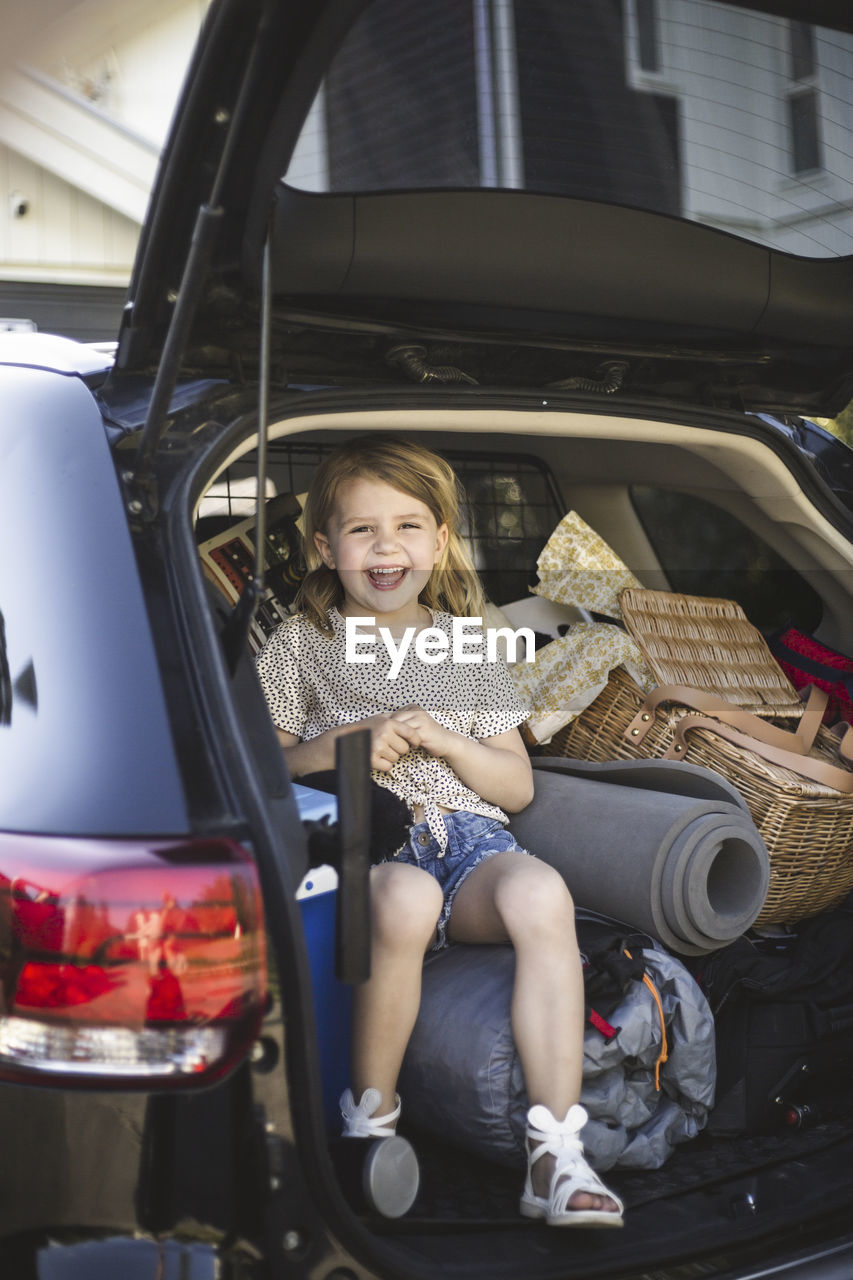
x=664, y=1048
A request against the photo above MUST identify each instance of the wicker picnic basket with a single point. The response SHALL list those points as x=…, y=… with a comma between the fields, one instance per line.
x=794, y=781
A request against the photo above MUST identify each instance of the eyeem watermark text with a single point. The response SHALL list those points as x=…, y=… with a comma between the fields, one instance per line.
x=432, y=645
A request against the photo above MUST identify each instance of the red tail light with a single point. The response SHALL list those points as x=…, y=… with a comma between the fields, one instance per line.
x=127, y=962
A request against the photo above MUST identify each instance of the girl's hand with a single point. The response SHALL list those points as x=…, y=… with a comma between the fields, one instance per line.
x=424, y=731
x=389, y=739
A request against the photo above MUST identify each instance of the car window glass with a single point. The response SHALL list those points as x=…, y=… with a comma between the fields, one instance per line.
x=710, y=112
x=706, y=551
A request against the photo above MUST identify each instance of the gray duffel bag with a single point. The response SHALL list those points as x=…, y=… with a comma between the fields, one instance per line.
x=462, y=1076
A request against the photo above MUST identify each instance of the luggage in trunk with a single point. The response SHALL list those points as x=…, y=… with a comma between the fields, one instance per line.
x=783, y=1012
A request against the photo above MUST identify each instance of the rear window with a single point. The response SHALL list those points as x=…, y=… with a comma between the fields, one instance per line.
x=709, y=112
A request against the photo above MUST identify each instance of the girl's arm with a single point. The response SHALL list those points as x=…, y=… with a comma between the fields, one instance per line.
x=307, y=757
x=497, y=768
x=390, y=739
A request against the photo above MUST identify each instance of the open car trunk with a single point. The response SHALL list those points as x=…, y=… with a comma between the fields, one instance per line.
x=721, y=506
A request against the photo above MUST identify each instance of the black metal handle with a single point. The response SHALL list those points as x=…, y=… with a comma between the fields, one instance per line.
x=352, y=942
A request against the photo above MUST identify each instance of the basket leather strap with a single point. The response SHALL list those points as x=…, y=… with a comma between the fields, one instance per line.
x=816, y=703
x=821, y=771
x=800, y=739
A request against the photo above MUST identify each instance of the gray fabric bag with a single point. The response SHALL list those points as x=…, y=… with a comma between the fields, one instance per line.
x=462, y=1076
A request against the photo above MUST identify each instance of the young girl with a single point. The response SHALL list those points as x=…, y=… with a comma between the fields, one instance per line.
x=382, y=546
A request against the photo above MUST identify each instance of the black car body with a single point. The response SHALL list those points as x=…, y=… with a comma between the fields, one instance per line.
x=571, y=333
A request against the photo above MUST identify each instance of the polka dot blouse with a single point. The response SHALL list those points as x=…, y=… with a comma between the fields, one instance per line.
x=310, y=688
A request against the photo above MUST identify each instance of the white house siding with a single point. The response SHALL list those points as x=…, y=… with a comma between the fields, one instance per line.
x=83, y=116
x=309, y=164
x=65, y=236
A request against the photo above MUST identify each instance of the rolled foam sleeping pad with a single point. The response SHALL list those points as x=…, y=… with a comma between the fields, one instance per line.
x=667, y=848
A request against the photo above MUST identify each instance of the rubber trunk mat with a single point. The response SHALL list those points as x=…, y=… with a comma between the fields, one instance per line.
x=457, y=1187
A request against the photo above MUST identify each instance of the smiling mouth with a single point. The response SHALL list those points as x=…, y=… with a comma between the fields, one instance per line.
x=386, y=578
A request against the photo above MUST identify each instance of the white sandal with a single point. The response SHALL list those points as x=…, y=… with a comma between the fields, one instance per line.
x=560, y=1139
x=359, y=1120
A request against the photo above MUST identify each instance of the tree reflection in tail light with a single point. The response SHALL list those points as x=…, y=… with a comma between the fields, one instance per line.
x=136, y=962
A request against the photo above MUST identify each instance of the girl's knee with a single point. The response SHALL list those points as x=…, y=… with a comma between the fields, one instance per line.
x=405, y=903
x=537, y=898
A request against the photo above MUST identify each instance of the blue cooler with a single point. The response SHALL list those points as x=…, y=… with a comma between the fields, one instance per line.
x=317, y=896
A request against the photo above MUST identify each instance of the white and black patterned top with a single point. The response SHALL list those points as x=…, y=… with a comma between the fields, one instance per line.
x=310, y=688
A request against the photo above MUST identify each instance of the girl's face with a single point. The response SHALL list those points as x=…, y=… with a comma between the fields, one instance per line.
x=383, y=544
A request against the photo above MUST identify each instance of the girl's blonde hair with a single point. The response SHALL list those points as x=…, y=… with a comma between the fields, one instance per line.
x=453, y=586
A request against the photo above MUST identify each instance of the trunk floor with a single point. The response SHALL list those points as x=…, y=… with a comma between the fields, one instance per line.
x=717, y=1205
x=459, y=1188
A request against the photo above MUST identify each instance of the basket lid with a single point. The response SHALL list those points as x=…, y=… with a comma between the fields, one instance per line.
x=709, y=644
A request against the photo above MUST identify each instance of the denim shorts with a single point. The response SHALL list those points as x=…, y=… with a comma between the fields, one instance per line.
x=471, y=839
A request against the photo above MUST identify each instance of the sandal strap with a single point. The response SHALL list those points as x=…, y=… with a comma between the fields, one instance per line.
x=572, y=1174
x=359, y=1120
x=552, y=1135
